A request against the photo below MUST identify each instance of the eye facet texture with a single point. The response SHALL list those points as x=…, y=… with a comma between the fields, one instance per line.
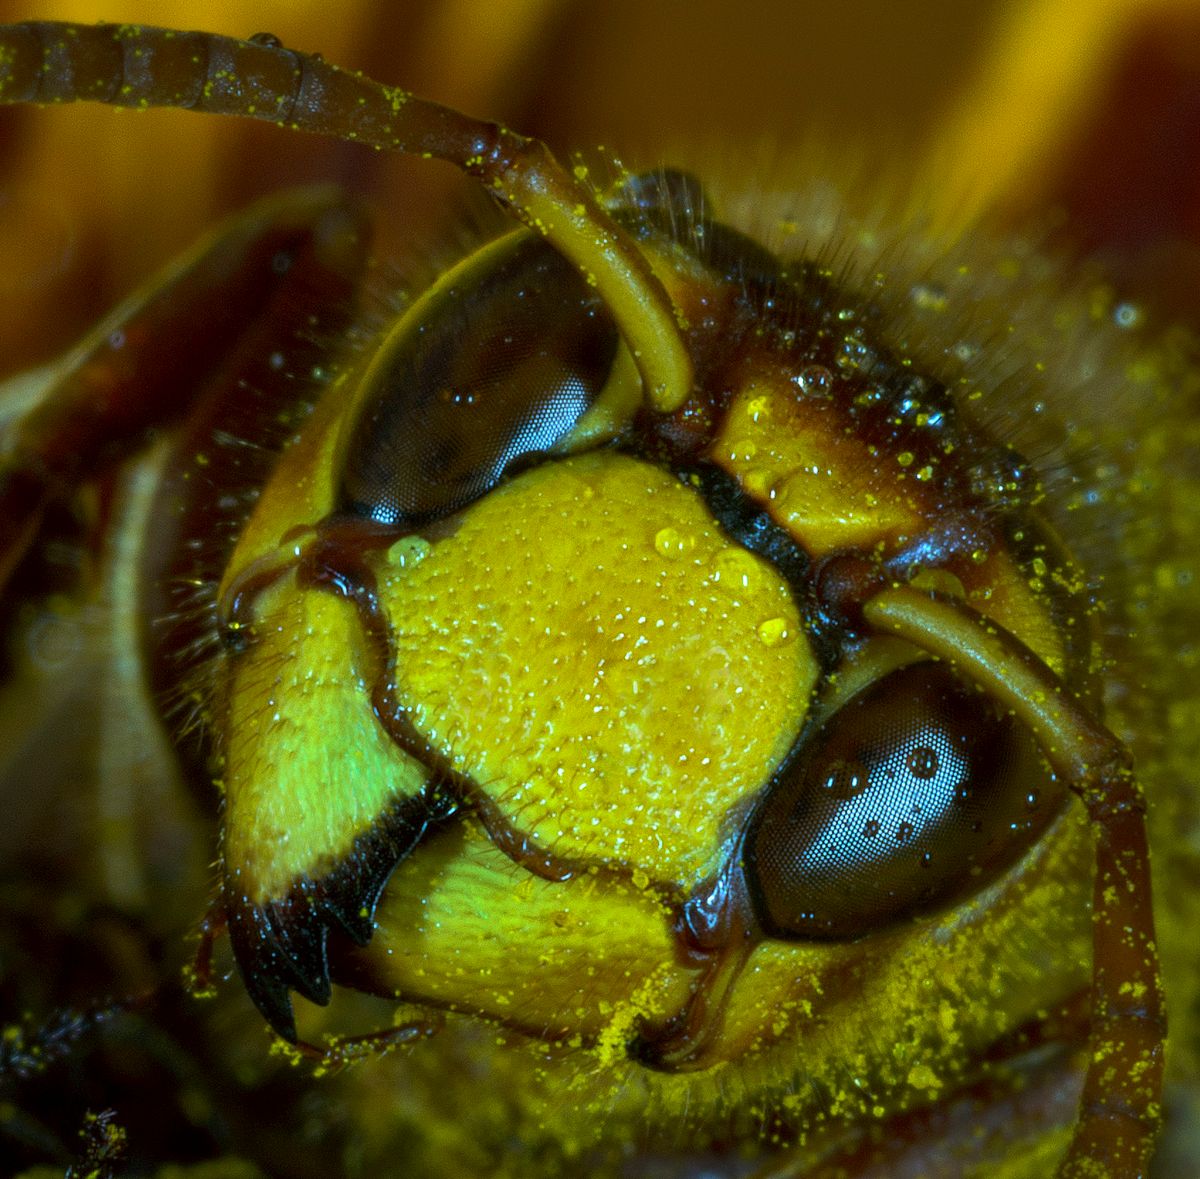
x=903, y=800
x=491, y=370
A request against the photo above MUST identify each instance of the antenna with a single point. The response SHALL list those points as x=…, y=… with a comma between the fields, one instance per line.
x=51, y=62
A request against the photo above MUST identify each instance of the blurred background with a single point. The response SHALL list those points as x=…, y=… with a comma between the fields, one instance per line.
x=1084, y=114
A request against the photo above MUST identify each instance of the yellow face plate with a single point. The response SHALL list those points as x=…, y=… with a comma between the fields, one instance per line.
x=602, y=661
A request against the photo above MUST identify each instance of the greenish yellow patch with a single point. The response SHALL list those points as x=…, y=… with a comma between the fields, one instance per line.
x=464, y=926
x=307, y=766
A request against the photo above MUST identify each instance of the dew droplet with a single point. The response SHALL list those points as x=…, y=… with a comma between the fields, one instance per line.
x=815, y=380
x=1033, y=800
x=871, y=829
x=940, y=580
x=736, y=570
x=409, y=551
x=922, y=762
x=671, y=544
x=904, y=832
x=266, y=40
x=846, y=779
x=774, y=632
x=742, y=450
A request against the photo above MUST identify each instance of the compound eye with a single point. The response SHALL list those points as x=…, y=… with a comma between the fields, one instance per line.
x=494, y=366
x=905, y=800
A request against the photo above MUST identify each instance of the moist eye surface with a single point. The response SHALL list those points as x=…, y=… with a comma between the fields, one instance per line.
x=901, y=802
x=484, y=373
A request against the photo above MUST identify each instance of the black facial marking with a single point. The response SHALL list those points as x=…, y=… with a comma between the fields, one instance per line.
x=283, y=945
